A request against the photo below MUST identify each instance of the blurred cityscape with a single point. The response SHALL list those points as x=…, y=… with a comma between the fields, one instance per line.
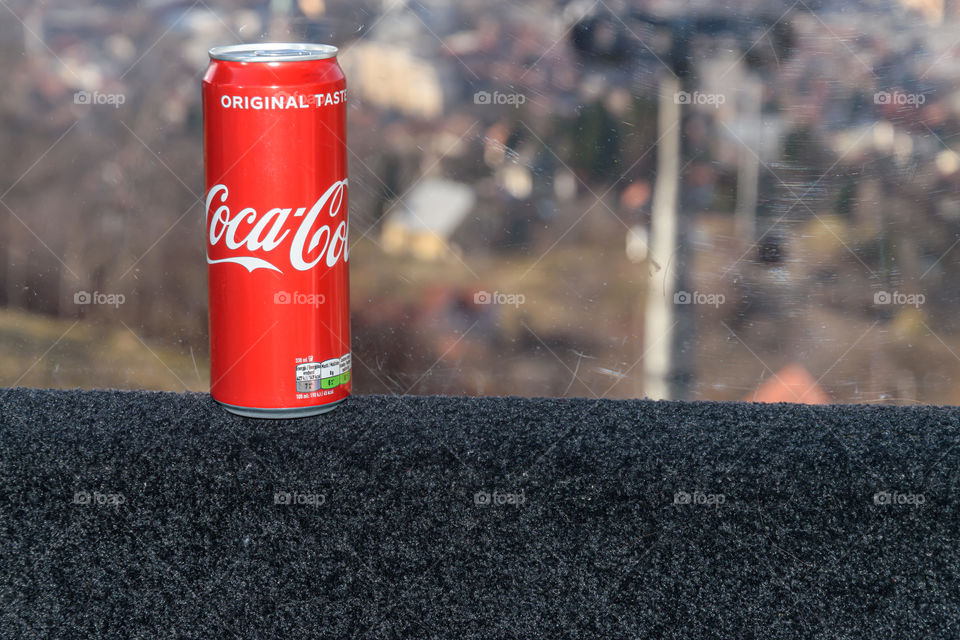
x=753, y=200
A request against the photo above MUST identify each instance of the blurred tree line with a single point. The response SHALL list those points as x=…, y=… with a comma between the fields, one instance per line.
x=90, y=202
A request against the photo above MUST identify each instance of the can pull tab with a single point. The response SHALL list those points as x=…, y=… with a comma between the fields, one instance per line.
x=281, y=53
x=269, y=52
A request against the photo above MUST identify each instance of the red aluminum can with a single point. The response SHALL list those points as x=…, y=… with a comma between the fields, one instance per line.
x=275, y=160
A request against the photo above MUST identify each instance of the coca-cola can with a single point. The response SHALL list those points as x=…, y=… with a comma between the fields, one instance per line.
x=275, y=161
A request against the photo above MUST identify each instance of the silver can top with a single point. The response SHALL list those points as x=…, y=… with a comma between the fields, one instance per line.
x=273, y=52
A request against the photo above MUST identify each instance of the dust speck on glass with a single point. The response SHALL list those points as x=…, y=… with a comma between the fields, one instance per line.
x=734, y=201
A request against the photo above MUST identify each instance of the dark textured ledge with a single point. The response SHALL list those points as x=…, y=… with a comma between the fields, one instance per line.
x=149, y=515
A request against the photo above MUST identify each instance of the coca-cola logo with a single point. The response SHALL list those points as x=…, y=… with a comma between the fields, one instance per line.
x=255, y=236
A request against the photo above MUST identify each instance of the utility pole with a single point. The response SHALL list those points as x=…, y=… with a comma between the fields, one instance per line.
x=659, y=323
x=669, y=324
x=748, y=161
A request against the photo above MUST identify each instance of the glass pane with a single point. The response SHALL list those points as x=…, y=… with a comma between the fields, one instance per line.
x=724, y=202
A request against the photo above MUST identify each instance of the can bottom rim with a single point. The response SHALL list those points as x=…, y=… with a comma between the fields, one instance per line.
x=280, y=414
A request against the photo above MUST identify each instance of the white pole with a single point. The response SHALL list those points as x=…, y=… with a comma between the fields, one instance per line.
x=658, y=334
x=748, y=174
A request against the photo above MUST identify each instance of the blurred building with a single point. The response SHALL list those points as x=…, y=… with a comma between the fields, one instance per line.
x=421, y=224
x=399, y=66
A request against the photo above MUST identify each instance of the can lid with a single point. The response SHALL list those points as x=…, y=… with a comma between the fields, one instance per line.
x=273, y=52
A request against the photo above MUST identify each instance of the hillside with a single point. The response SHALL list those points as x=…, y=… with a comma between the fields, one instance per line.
x=39, y=351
